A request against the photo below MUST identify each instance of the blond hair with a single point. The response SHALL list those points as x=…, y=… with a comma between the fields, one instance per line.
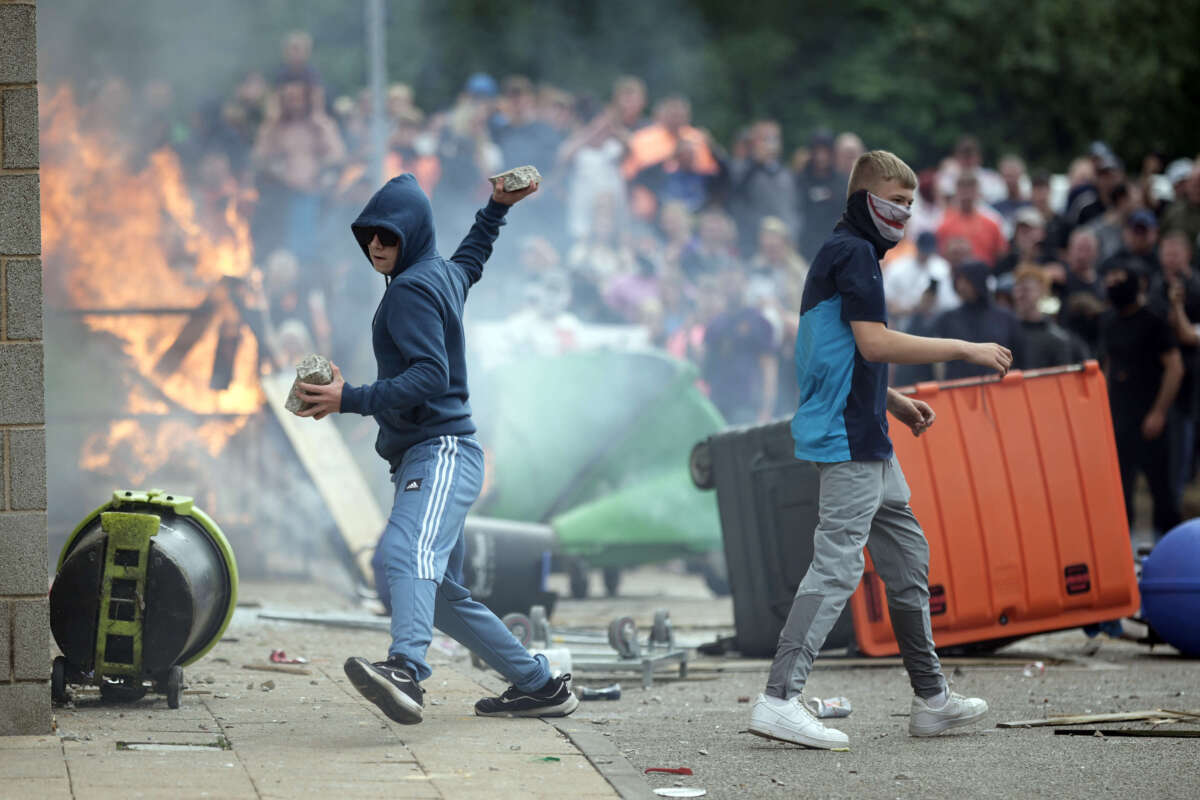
x=876, y=166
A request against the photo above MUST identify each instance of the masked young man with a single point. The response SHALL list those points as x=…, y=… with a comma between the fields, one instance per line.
x=842, y=351
x=427, y=437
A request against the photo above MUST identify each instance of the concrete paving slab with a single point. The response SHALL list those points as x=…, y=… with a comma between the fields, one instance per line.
x=37, y=789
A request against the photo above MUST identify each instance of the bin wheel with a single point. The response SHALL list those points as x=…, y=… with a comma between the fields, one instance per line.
x=174, y=686
x=612, y=580
x=541, y=628
x=700, y=465
x=716, y=573
x=122, y=691
x=520, y=626
x=622, y=636
x=577, y=573
x=58, y=681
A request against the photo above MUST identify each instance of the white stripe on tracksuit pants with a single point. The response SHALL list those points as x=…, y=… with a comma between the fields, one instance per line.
x=418, y=564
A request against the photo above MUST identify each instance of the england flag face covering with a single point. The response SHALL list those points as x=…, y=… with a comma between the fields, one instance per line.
x=888, y=217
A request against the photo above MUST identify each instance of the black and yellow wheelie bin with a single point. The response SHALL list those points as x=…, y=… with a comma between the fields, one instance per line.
x=145, y=585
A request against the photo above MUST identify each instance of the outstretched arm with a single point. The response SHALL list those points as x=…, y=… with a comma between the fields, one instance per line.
x=476, y=248
x=879, y=343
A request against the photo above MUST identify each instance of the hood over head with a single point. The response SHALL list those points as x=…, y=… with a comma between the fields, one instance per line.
x=977, y=274
x=401, y=207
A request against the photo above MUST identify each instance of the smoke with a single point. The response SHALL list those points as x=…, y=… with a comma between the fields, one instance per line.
x=175, y=61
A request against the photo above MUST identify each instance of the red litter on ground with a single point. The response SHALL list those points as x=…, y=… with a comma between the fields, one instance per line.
x=670, y=770
x=280, y=657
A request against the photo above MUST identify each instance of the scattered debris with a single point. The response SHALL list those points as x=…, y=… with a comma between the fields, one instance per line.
x=1152, y=732
x=902, y=777
x=550, y=759
x=702, y=751
x=278, y=668
x=778, y=782
x=220, y=743
x=670, y=770
x=600, y=721
x=612, y=692
x=1034, y=668
x=680, y=791
x=267, y=686
x=744, y=699
x=829, y=707
x=1085, y=719
x=280, y=657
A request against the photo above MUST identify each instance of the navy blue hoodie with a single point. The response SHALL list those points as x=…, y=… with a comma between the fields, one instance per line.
x=417, y=333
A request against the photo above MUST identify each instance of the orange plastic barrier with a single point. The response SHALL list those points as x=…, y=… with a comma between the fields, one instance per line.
x=1018, y=490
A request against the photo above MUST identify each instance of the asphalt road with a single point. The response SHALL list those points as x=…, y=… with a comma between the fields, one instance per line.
x=699, y=723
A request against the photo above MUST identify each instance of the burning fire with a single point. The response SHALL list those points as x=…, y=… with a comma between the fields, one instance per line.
x=126, y=247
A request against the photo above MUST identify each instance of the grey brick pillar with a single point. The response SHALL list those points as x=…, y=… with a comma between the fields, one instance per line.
x=24, y=614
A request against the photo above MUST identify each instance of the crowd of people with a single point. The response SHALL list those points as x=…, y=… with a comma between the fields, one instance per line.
x=645, y=220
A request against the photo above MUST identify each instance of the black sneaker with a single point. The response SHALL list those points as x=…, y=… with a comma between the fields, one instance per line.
x=552, y=700
x=389, y=685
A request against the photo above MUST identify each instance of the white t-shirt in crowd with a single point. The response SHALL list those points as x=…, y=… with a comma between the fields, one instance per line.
x=906, y=279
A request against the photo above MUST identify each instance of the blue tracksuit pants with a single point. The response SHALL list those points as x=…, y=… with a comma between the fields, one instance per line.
x=418, y=564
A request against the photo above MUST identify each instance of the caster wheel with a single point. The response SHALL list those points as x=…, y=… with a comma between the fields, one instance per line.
x=612, y=580
x=661, y=633
x=174, y=686
x=58, y=681
x=541, y=628
x=577, y=573
x=622, y=636
x=519, y=626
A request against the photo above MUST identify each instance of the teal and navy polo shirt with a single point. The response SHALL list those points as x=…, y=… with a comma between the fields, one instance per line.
x=843, y=397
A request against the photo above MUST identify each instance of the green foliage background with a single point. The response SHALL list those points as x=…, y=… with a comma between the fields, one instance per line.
x=1042, y=78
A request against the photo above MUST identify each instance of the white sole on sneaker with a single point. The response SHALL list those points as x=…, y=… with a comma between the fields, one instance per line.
x=943, y=725
x=561, y=710
x=398, y=706
x=781, y=733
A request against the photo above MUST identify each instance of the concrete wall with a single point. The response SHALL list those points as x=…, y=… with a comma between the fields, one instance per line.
x=24, y=615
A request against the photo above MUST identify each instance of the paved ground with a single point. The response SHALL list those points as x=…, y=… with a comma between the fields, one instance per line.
x=295, y=736
x=698, y=723
x=311, y=734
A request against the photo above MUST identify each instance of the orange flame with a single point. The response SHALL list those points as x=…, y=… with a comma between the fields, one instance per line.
x=121, y=237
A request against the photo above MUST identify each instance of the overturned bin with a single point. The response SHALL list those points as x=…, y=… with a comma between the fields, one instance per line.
x=145, y=585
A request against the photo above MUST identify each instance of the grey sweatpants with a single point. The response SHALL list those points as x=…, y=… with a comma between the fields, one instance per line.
x=862, y=503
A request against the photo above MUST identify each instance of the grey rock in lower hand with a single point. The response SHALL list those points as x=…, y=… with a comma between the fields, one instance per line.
x=313, y=368
x=518, y=178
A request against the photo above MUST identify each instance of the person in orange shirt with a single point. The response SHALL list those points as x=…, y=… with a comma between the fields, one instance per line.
x=965, y=219
x=656, y=144
x=404, y=156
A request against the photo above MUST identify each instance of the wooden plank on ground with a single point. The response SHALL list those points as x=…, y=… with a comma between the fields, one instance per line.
x=1152, y=732
x=333, y=470
x=1088, y=719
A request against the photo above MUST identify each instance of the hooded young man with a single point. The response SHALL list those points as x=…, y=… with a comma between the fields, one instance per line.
x=427, y=436
x=843, y=348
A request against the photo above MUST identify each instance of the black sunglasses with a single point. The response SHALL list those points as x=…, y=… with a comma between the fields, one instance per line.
x=387, y=238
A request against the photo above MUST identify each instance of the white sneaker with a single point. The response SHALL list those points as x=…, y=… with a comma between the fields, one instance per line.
x=791, y=722
x=924, y=720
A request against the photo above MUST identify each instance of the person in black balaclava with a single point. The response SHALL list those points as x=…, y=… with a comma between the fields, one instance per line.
x=1141, y=360
x=978, y=320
